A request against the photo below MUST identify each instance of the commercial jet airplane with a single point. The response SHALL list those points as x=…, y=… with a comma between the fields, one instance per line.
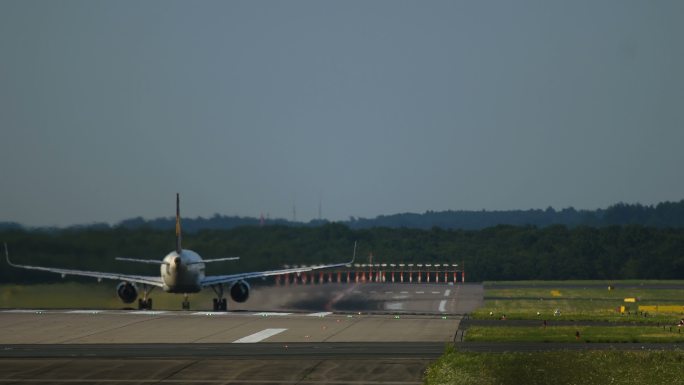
x=182, y=271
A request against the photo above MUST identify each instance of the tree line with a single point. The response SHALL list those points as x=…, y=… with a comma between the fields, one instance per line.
x=662, y=215
x=501, y=252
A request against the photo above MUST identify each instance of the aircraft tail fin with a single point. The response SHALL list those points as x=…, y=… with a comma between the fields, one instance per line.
x=178, y=225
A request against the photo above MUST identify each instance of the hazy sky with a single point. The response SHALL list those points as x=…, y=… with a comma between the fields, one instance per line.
x=108, y=108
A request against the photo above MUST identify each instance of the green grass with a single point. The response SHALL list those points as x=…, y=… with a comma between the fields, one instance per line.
x=578, y=301
x=570, y=310
x=594, y=282
x=558, y=368
x=618, y=294
x=567, y=334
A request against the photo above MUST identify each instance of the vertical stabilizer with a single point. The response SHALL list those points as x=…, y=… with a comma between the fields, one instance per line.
x=178, y=225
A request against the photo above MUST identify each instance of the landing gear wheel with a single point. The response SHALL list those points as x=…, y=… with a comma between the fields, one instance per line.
x=145, y=304
x=220, y=303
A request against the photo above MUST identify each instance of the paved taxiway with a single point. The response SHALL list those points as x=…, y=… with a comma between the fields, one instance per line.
x=401, y=328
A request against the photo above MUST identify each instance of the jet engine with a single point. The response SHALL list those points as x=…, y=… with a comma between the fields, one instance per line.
x=239, y=291
x=127, y=292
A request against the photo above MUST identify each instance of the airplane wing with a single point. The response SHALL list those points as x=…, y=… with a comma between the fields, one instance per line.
x=219, y=259
x=147, y=280
x=217, y=279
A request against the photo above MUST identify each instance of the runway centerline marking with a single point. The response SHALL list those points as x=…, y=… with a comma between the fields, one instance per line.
x=420, y=292
x=442, y=304
x=321, y=314
x=259, y=336
x=268, y=314
x=210, y=313
x=447, y=292
x=84, y=312
x=148, y=312
x=434, y=292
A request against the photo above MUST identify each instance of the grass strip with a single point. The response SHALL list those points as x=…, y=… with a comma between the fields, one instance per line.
x=587, y=334
x=558, y=368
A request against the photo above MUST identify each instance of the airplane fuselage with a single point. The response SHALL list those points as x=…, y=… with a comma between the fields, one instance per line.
x=182, y=273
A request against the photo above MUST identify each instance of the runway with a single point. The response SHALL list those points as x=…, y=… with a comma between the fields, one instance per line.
x=57, y=327
x=212, y=371
x=367, y=298
x=338, y=334
x=354, y=350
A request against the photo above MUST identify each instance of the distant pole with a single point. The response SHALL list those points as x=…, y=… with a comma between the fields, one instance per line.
x=320, y=208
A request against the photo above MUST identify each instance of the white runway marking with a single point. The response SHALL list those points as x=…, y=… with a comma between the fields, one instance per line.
x=389, y=292
x=84, y=312
x=210, y=313
x=321, y=314
x=268, y=314
x=442, y=304
x=403, y=292
x=447, y=292
x=148, y=312
x=394, y=306
x=434, y=292
x=259, y=336
x=420, y=292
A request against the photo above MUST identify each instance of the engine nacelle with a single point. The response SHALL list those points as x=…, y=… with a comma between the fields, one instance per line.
x=127, y=292
x=239, y=292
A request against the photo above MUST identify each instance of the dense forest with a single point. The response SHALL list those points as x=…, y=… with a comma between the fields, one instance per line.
x=662, y=215
x=495, y=253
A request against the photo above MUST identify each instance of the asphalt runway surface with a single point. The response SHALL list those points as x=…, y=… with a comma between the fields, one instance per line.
x=367, y=298
x=314, y=334
x=332, y=334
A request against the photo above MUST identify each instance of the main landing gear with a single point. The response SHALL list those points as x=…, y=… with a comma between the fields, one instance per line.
x=186, y=303
x=220, y=303
x=145, y=303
